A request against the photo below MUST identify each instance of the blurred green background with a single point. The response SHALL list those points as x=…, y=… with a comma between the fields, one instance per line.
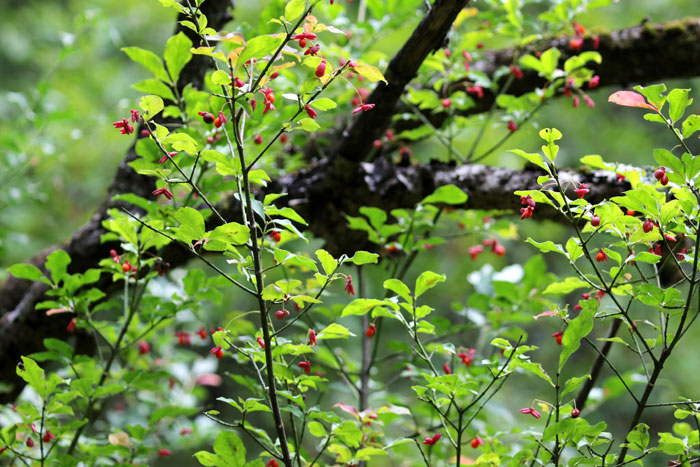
x=63, y=80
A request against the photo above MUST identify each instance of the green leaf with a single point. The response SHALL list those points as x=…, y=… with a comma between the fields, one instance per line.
x=225, y=236
x=364, y=257
x=550, y=135
x=334, y=331
x=149, y=60
x=230, y=449
x=154, y=86
x=151, y=105
x=177, y=54
x=678, y=101
x=534, y=368
x=323, y=104
x=691, y=125
x=209, y=459
x=566, y=286
x=348, y=433
x=653, y=94
x=362, y=306
x=399, y=288
x=191, y=225
x=33, y=375
x=638, y=438
x=573, y=383
x=671, y=445
x=327, y=261
x=427, y=280
x=578, y=328
x=316, y=429
x=293, y=9
x=536, y=159
x=220, y=77
x=370, y=72
x=547, y=246
x=597, y=162
x=57, y=263
x=667, y=159
x=446, y=194
x=25, y=271
x=308, y=124
x=259, y=46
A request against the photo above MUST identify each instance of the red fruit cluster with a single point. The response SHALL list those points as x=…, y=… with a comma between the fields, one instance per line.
x=601, y=256
x=467, y=357
x=647, y=226
x=581, y=190
x=446, y=368
x=276, y=236
x=371, y=329
x=306, y=366
x=183, y=337
x=496, y=247
x=477, y=90
x=431, y=441
x=531, y=411
x=281, y=314
x=558, y=336
x=218, y=351
x=348, y=286
x=303, y=37
x=269, y=100
x=516, y=72
x=312, y=337
x=476, y=442
x=529, y=208
x=660, y=175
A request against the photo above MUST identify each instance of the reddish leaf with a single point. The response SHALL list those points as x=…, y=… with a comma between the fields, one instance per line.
x=347, y=408
x=630, y=99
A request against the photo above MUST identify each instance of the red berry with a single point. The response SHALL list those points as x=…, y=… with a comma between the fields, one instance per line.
x=446, y=103
x=595, y=221
x=276, y=236
x=261, y=342
x=476, y=442
x=664, y=180
x=274, y=75
x=281, y=314
x=48, y=436
x=321, y=69
x=446, y=369
x=284, y=138
x=558, y=336
x=601, y=256
x=218, y=351
x=370, y=331
x=164, y=452
x=144, y=347
x=302, y=42
x=217, y=123
x=30, y=443
x=272, y=462
x=512, y=126
x=258, y=139
x=306, y=366
x=659, y=173
x=208, y=118
x=648, y=226
x=575, y=413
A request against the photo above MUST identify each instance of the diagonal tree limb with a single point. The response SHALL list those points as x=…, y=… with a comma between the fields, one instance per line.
x=429, y=35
